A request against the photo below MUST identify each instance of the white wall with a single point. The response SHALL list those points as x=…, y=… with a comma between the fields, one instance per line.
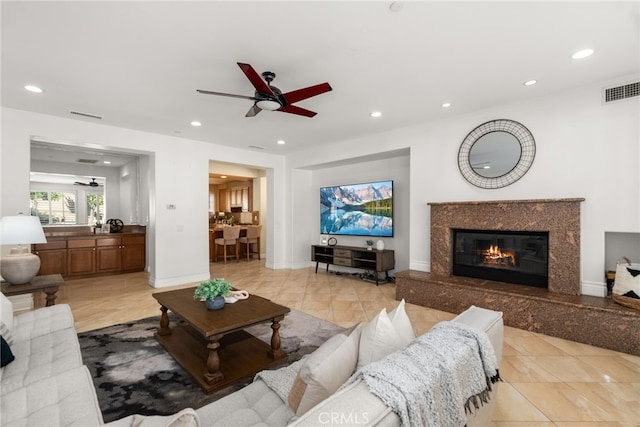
x=395, y=169
x=177, y=173
x=128, y=178
x=584, y=149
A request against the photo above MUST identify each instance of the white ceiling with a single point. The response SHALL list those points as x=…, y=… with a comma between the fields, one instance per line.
x=138, y=64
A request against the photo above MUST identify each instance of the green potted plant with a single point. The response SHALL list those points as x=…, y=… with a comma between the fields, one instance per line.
x=369, y=244
x=212, y=292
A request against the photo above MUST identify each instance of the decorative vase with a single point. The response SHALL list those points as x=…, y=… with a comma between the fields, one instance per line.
x=379, y=245
x=215, y=304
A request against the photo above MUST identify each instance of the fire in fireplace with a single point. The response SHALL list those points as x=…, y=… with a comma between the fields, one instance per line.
x=519, y=257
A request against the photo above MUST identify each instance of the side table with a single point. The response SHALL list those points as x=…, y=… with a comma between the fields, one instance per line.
x=49, y=284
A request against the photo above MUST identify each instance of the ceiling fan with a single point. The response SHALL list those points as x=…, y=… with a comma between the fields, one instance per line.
x=270, y=98
x=93, y=183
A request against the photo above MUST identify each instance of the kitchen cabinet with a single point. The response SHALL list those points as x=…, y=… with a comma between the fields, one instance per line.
x=53, y=258
x=109, y=254
x=81, y=257
x=133, y=253
x=98, y=255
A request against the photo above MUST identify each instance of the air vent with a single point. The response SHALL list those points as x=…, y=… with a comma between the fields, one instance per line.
x=618, y=93
x=256, y=147
x=90, y=161
x=91, y=116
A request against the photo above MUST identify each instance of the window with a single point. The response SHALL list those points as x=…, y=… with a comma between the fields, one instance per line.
x=95, y=208
x=54, y=207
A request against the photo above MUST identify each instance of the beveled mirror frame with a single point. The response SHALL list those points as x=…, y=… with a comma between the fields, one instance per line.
x=527, y=153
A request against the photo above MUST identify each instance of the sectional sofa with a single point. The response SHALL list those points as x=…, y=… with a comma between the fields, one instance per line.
x=46, y=383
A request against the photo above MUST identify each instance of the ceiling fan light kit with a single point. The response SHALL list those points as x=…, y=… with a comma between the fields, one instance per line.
x=269, y=97
x=268, y=104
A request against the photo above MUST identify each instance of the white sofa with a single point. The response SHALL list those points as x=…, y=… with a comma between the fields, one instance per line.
x=257, y=405
x=47, y=384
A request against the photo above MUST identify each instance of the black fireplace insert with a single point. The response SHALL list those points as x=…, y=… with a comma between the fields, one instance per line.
x=518, y=257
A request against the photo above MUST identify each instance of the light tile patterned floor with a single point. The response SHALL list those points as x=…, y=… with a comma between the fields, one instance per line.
x=547, y=381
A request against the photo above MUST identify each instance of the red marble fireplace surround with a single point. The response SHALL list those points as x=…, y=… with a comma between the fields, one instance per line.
x=558, y=311
x=560, y=217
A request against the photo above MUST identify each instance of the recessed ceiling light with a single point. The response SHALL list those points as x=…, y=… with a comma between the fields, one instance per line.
x=196, y=123
x=446, y=105
x=375, y=114
x=530, y=82
x=107, y=162
x=281, y=142
x=223, y=176
x=582, y=53
x=34, y=89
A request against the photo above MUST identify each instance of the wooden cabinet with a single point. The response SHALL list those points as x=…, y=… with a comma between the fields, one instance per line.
x=53, y=257
x=81, y=257
x=109, y=254
x=92, y=256
x=349, y=256
x=133, y=253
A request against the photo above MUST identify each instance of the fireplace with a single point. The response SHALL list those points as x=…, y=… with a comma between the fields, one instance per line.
x=559, y=217
x=518, y=257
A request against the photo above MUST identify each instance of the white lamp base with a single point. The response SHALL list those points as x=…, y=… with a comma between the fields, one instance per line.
x=20, y=266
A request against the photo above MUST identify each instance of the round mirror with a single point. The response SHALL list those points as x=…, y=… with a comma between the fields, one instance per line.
x=496, y=154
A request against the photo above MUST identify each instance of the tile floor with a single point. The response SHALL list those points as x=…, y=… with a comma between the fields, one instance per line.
x=547, y=381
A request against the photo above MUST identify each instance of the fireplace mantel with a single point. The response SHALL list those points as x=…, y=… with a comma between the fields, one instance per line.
x=560, y=217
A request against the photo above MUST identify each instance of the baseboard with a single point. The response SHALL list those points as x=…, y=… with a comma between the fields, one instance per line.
x=420, y=266
x=164, y=283
x=596, y=289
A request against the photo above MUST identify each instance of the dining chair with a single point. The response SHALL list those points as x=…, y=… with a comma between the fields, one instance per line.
x=229, y=237
x=252, y=237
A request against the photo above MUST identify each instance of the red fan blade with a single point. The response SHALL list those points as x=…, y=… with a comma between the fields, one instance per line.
x=297, y=110
x=253, y=111
x=307, y=92
x=208, y=92
x=255, y=79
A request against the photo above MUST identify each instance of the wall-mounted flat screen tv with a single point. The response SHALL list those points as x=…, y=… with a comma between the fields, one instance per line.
x=357, y=209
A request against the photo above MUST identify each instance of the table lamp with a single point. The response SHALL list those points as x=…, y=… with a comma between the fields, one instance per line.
x=20, y=266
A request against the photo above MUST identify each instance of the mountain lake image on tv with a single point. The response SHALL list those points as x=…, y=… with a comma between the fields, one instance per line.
x=357, y=209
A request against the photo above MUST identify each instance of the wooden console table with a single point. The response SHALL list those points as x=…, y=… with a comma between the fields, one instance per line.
x=354, y=257
x=49, y=284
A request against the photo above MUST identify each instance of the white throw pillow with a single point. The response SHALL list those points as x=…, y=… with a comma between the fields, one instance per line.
x=401, y=322
x=384, y=335
x=6, y=319
x=324, y=371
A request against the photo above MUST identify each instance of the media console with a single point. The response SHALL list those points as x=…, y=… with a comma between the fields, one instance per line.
x=354, y=257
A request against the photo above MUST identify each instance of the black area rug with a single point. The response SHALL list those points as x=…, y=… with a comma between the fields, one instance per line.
x=133, y=374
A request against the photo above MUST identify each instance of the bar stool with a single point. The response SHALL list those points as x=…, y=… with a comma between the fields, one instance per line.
x=229, y=238
x=253, y=236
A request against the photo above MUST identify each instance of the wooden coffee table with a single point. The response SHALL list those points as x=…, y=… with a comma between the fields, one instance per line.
x=213, y=347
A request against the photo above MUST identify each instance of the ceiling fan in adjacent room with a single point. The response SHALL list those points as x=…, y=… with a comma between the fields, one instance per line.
x=270, y=98
x=93, y=183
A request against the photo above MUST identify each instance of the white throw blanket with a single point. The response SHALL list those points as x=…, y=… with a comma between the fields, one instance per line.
x=281, y=380
x=437, y=377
